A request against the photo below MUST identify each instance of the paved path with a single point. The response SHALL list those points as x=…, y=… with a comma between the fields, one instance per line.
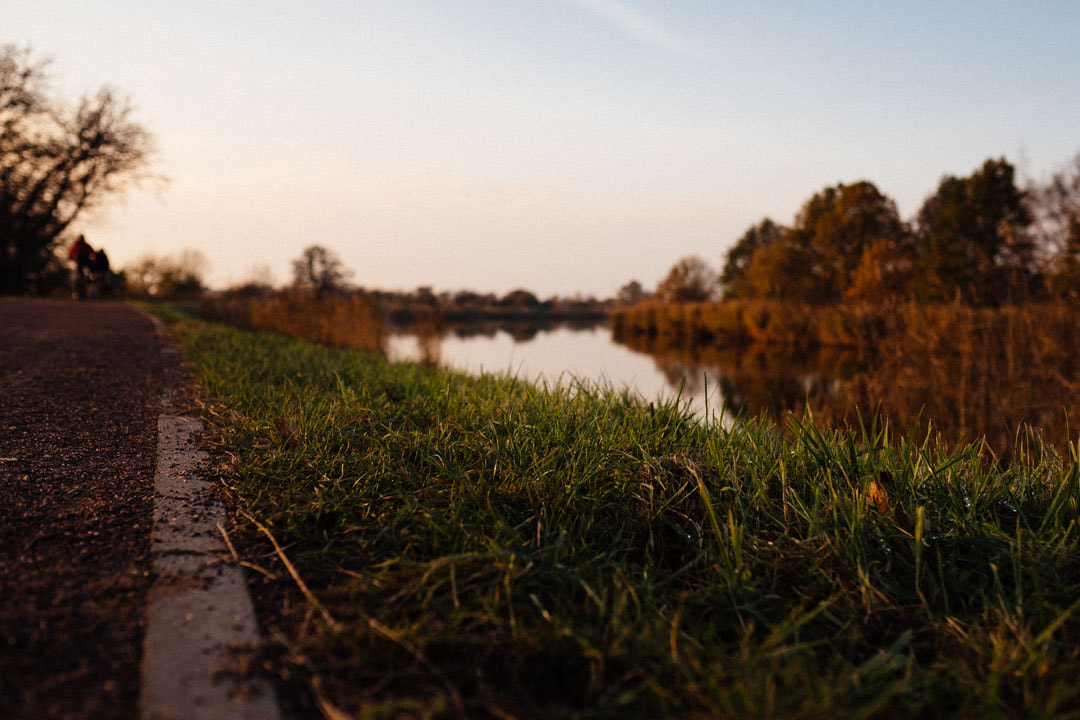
x=81, y=387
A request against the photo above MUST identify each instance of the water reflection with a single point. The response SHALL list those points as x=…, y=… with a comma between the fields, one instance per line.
x=987, y=388
x=755, y=379
x=561, y=354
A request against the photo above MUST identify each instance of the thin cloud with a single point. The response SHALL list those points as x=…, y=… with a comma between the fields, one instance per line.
x=636, y=24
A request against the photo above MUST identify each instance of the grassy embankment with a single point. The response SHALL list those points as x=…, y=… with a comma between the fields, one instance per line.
x=478, y=546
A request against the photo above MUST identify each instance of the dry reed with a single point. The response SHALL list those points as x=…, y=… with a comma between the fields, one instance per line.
x=343, y=320
x=968, y=373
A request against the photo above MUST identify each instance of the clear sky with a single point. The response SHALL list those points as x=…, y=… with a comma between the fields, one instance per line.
x=559, y=145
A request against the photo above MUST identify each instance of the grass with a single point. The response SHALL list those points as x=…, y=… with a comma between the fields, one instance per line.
x=481, y=547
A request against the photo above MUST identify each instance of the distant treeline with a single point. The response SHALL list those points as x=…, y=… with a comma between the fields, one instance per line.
x=848, y=271
x=465, y=308
x=361, y=319
x=320, y=274
x=980, y=240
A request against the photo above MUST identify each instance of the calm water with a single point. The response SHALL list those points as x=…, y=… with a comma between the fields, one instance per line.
x=561, y=355
x=961, y=396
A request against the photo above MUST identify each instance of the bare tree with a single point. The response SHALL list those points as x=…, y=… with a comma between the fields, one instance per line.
x=319, y=270
x=631, y=293
x=170, y=276
x=1055, y=207
x=56, y=161
x=690, y=280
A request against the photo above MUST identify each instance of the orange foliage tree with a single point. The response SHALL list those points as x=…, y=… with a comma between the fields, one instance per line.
x=847, y=241
x=973, y=240
x=733, y=278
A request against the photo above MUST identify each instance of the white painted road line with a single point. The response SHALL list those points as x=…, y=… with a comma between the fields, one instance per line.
x=201, y=624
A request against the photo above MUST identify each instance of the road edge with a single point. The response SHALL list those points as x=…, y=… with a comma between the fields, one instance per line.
x=201, y=629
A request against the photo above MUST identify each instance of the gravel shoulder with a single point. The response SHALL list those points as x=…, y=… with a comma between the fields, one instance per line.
x=80, y=394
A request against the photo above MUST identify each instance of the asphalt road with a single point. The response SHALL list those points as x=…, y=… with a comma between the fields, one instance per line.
x=80, y=393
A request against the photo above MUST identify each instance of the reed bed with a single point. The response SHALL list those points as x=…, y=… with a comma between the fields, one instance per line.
x=943, y=328
x=481, y=547
x=751, y=321
x=968, y=376
x=340, y=320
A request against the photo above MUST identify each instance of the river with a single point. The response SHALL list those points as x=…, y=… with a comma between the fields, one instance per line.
x=564, y=354
x=960, y=397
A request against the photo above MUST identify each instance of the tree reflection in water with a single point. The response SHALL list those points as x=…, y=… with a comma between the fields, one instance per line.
x=996, y=381
x=962, y=374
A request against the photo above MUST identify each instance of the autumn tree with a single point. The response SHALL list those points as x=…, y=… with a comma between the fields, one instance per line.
x=319, y=270
x=780, y=271
x=838, y=226
x=973, y=241
x=57, y=160
x=884, y=272
x=738, y=259
x=847, y=242
x=689, y=280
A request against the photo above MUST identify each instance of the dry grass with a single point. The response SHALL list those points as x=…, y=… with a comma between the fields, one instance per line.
x=760, y=321
x=346, y=321
x=948, y=328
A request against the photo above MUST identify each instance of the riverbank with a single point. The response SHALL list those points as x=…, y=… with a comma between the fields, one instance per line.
x=951, y=327
x=989, y=386
x=479, y=546
x=362, y=320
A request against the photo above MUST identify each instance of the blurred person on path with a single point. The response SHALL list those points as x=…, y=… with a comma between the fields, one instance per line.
x=84, y=257
x=102, y=273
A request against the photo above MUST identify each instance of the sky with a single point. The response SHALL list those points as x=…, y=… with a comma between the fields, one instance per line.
x=563, y=146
